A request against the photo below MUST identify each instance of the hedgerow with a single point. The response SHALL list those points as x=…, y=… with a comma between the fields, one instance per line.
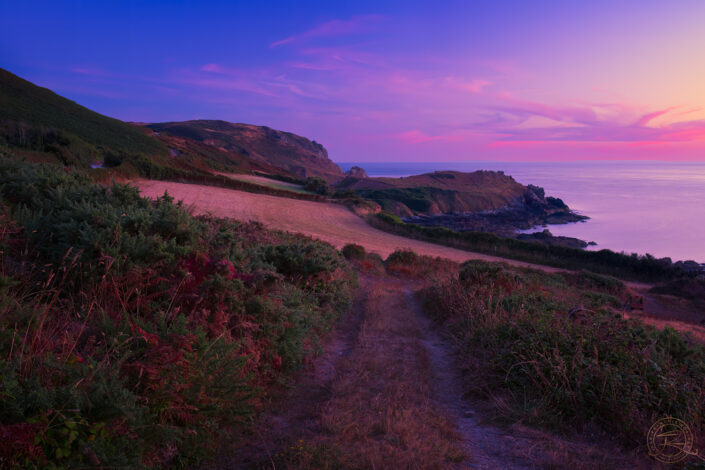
x=626, y=266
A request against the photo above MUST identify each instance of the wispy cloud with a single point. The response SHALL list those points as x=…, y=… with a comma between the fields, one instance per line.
x=356, y=24
x=418, y=137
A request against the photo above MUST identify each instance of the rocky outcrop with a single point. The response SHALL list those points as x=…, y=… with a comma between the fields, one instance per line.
x=356, y=172
x=505, y=207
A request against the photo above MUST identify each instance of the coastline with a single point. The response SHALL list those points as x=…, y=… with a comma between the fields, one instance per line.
x=634, y=207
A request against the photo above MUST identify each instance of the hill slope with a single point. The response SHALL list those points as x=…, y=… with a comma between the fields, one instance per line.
x=289, y=151
x=38, y=124
x=36, y=118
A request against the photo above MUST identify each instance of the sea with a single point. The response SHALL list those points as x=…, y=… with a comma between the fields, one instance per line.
x=634, y=206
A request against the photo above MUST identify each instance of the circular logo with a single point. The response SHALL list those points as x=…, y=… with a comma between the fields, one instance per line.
x=670, y=440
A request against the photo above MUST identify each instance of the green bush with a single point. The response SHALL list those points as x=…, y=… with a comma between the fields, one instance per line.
x=606, y=262
x=317, y=185
x=66, y=215
x=157, y=331
x=353, y=251
x=555, y=365
x=304, y=258
x=402, y=257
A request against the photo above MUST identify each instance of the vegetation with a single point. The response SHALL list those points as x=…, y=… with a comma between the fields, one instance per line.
x=416, y=199
x=132, y=333
x=317, y=185
x=293, y=153
x=40, y=125
x=36, y=118
x=551, y=350
x=440, y=191
x=354, y=251
x=621, y=265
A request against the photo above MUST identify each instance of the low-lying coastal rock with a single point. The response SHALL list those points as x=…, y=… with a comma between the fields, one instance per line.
x=548, y=238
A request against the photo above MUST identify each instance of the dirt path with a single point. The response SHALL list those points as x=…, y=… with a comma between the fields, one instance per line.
x=332, y=223
x=387, y=393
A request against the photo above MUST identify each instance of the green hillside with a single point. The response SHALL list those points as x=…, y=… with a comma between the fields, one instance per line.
x=38, y=120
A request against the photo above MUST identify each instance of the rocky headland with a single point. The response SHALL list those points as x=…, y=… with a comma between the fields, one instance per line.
x=532, y=209
x=481, y=201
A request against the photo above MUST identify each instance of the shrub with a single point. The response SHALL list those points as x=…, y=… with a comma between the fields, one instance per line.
x=157, y=332
x=401, y=256
x=552, y=365
x=353, y=251
x=606, y=262
x=304, y=258
x=317, y=185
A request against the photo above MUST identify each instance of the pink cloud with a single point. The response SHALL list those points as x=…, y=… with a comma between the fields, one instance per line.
x=473, y=86
x=418, y=137
x=332, y=28
x=92, y=72
x=646, y=118
x=214, y=68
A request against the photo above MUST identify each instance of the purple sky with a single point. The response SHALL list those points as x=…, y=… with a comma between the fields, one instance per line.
x=387, y=81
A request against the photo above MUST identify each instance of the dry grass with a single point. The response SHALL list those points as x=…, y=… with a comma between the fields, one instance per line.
x=333, y=223
x=382, y=411
x=379, y=412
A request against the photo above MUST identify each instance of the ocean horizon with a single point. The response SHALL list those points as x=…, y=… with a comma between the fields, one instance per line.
x=652, y=207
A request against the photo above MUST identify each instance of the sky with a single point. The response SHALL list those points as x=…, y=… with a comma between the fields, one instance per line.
x=494, y=80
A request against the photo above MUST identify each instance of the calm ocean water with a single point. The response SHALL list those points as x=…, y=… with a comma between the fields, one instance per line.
x=635, y=207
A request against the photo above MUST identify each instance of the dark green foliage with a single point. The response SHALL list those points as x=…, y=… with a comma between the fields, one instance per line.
x=159, y=331
x=604, y=261
x=554, y=365
x=402, y=257
x=65, y=214
x=601, y=282
x=353, y=251
x=317, y=185
x=305, y=258
x=416, y=199
x=26, y=104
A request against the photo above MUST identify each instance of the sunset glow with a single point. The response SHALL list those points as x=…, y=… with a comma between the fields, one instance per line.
x=374, y=81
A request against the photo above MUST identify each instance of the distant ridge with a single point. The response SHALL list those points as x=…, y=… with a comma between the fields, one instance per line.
x=296, y=154
x=38, y=124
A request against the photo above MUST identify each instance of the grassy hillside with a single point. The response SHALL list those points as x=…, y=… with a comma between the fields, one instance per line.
x=37, y=119
x=40, y=125
x=132, y=334
x=552, y=350
x=295, y=154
